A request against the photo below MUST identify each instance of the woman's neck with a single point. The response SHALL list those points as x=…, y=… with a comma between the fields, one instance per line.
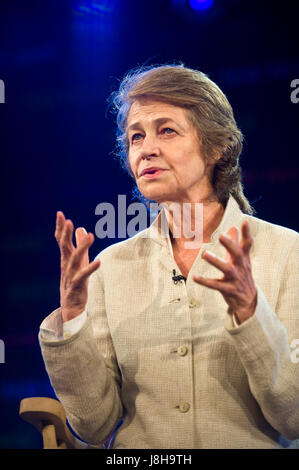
x=192, y=223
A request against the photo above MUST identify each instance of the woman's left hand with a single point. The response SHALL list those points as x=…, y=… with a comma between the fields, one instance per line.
x=237, y=285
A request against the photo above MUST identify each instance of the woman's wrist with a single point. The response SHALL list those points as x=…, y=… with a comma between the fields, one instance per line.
x=243, y=315
x=70, y=314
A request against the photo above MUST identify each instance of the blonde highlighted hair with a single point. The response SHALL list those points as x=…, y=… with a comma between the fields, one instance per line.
x=208, y=109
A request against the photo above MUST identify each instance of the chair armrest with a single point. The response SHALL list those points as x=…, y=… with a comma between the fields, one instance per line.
x=48, y=416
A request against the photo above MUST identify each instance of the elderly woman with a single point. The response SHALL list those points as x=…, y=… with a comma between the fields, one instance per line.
x=191, y=345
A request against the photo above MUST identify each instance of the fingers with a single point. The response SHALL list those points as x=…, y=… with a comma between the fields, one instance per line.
x=72, y=258
x=60, y=219
x=80, y=254
x=235, y=251
x=75, y=267
x=233, y=233
x=237, y=285
x=85, y=272
x=64, y=232
x=224, y=266
x=247, y=240
x=80, y=234
x=217, y=284
x=232, y=247
x=230, y=240
x=66, y=239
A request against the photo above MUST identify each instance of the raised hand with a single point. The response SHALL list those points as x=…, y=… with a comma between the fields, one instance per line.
x=75, y=266
x=237, y=285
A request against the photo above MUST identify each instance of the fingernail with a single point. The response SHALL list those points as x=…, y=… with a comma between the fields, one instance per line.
x=210, y=253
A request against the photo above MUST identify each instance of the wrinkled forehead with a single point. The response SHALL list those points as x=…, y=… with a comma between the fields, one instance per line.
x=149, y=109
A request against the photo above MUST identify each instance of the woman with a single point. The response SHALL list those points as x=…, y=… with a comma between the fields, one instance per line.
x=149, y=331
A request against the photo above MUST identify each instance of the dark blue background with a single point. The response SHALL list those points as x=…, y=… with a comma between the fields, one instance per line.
x=60, y=62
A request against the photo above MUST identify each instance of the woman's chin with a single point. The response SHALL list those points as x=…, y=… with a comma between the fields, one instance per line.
x=150, y=193
x=153, y=195
x=157, y=193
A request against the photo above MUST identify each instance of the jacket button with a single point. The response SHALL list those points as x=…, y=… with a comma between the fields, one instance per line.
x=182, y=350
x=184, y=407
x=192, y=303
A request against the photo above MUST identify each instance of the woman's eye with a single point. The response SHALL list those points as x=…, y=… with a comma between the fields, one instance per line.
x=136, y=137
x=167, y=130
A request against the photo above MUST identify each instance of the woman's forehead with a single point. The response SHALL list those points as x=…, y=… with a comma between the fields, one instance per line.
x=149, y=109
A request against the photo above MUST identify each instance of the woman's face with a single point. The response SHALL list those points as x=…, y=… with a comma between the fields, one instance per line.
x=164, y=153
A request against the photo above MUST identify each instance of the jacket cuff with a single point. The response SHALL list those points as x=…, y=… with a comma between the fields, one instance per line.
x=53, y=328
x=259, y=334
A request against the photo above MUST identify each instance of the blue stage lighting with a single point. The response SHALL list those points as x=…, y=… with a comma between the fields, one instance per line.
x=201, y=5
x=93, y=8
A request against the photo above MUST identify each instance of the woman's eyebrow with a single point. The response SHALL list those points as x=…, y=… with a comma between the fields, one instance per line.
x=158, y=121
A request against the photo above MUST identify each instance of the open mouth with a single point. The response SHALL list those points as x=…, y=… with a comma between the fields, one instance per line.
x=151, y=172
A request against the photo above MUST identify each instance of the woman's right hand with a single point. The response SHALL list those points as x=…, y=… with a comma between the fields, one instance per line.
x=75, y=267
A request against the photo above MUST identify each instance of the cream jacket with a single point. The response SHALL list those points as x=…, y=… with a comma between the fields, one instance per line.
x=167, y=357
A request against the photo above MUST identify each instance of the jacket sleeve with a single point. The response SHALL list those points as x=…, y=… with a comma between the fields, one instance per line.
x=264, y=342
x=84, y=373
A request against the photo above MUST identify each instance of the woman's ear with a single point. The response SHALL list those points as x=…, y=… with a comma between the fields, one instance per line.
x=214, y=158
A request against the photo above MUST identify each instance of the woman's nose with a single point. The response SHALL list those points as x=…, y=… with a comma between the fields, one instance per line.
x=149, y=148
x=148, y=156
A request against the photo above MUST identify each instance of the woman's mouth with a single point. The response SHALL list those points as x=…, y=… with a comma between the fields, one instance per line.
x=151, y=173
